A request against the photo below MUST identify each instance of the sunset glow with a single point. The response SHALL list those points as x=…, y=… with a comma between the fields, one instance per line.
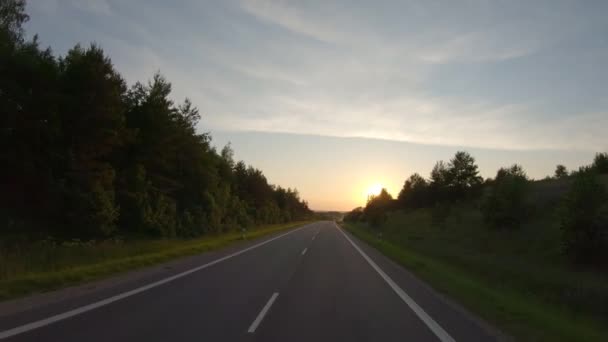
x=373, y=190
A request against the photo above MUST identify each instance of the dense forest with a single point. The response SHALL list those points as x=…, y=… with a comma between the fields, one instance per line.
x=85, y=155
x=506, y=202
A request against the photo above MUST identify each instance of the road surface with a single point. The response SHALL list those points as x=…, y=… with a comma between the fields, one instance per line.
x=315, y=283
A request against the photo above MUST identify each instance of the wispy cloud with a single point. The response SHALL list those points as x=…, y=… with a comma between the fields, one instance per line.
x=437, y=42
x=291, y=17
x=93, y=6
x=475, y=47
x=431, y=121
x=485, y=74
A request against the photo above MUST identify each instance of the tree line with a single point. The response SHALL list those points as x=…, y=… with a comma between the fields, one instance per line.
x=84, y=154
x=505, y=201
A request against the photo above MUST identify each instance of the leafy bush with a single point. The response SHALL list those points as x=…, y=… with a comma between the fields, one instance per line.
x=584, y=219
x=439, y=214
x=354, y=215
x=377, y=218
x=505, y=206
x=376, y=208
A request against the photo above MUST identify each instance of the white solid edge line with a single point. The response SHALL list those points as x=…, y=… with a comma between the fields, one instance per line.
x=304, y=251
x=262, y=313
x=430, y=322
x=52, y=319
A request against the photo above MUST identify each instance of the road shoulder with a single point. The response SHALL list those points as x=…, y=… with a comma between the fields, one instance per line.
x=46, y=303
x=461, y=323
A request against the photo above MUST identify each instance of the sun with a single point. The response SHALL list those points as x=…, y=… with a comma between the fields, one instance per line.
x=374, y=190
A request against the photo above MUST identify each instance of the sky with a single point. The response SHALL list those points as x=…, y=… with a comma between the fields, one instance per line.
x=332, y=97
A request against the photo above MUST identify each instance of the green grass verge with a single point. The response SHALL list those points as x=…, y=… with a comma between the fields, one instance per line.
x=521, y=315
x=40, y=268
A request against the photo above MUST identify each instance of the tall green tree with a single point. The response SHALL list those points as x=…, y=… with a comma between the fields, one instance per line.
x=29, y=127
x=464, y=178
x=600, y=162
x=377, y=207
x=85, y=156
x=415, y=192
x=439, y=182
x=12, y=18
x=584, y=219
x=93, y=124
x=506, y=205
x=560, y=172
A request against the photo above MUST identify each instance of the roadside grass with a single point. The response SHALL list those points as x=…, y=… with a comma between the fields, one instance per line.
x=517, y=280
x=45, y=266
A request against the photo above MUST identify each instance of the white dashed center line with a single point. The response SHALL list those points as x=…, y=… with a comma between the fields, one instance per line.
x=262, y=313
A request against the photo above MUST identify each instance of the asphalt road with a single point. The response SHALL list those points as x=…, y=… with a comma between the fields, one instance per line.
x=315, y=283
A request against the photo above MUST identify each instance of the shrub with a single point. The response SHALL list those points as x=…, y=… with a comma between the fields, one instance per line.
x=505, y=206
x=440, y=214
x=584, y=219
x=377, y=218
x=354, y=215
x=376, y=208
